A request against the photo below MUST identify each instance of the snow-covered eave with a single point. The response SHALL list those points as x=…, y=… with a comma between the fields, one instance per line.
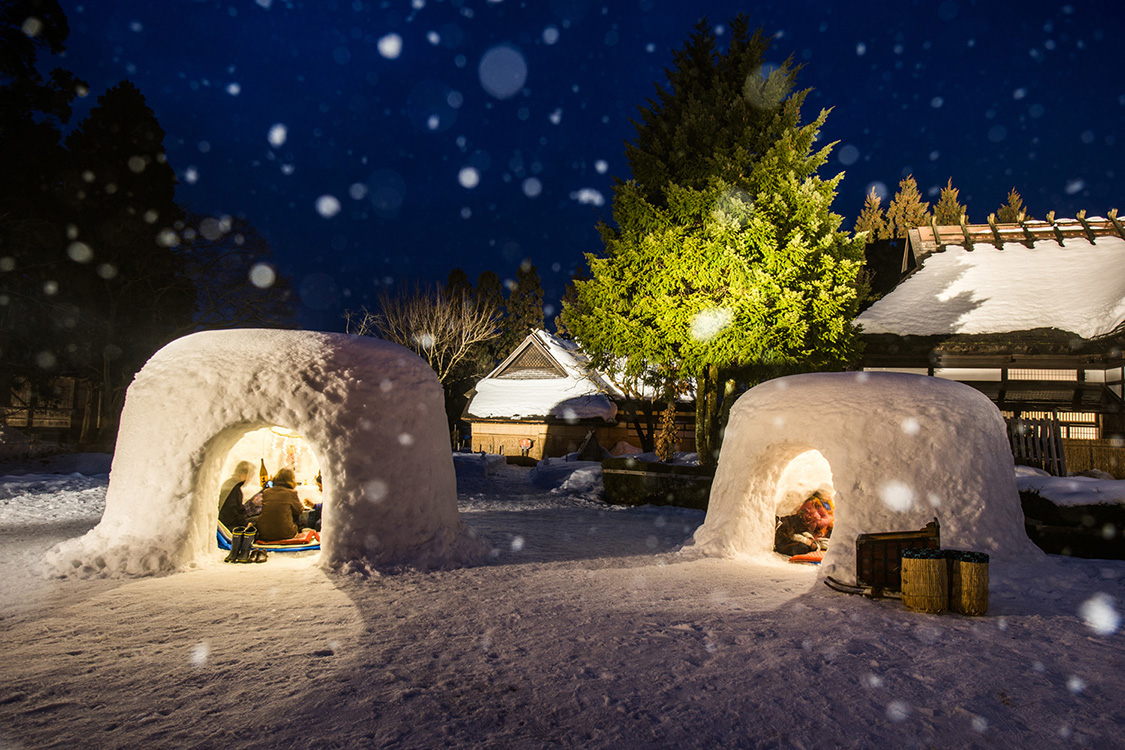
x=1019, y=344
x=539, y=419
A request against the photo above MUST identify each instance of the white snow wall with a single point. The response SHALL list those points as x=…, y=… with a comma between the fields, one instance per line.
x=372, y=412
x=903, y=449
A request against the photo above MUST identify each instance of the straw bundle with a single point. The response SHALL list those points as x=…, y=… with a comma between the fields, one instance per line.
x=968, y=583
x=925, y=580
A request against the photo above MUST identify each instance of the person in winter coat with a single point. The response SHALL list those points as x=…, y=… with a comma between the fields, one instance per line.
x=808, y=529
x=231, y=513
x=281, y=509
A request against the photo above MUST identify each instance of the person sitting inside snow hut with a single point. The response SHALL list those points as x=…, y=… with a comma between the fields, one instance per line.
x=281, y=509
x=808, y=529
x=231, y=512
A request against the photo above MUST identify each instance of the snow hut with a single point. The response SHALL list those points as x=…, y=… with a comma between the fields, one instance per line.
x=897, y=449
x=371, y=412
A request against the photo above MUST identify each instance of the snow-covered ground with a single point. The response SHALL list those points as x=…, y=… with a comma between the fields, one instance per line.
x=584, y=629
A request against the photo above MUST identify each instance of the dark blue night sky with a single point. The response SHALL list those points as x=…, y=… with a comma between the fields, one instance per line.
x=388, y=142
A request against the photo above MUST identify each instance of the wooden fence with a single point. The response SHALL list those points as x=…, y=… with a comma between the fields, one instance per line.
x=1103, y=455
x=1038, y=443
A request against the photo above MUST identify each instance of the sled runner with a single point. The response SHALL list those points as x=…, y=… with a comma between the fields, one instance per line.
x=871, y=592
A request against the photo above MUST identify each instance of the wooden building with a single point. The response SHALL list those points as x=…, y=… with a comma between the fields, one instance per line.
x=1031, y=314
x=544, y=399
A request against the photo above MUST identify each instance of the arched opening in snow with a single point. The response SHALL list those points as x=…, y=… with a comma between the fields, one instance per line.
x=805, y=474
x=269, y=449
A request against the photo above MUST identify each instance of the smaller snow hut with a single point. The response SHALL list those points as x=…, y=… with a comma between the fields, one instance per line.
x=542, y=400
x=898, y=450
x=372, y=414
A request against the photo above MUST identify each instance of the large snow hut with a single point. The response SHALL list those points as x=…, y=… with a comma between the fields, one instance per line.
x=898, y=450
x=372, y=414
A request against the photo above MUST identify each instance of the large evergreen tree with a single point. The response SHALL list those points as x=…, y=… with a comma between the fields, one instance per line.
x=132, y=294
x=725, y=263
x=949, y=211
x=907, y=209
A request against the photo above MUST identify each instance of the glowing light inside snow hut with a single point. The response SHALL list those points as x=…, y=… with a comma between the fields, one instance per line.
x=277, y=448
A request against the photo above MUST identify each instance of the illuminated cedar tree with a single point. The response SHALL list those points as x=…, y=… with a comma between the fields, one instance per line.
x=725, y=262
x=949, y=211
x=872, y=219
x=1013, y=211
x=907, y=209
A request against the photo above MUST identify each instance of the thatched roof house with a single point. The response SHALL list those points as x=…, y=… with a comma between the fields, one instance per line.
x=1031, y=314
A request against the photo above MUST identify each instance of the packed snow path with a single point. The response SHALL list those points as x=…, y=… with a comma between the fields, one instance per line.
x=590, y=632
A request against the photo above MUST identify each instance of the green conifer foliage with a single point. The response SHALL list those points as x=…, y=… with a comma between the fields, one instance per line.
x=872, y=219
x=949, y=211
x=725, y=259
x=1013, y=211
x=907, y=209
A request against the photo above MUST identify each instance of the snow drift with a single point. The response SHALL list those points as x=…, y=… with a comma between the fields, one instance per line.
x=372, y=411
x=899, y=450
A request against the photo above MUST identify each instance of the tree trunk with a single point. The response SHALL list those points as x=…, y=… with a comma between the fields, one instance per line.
x=707, y=416
x=643, y=427
x=666, y=439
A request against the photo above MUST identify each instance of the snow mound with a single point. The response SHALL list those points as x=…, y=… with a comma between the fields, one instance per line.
x=899, y=450
x=372, y=412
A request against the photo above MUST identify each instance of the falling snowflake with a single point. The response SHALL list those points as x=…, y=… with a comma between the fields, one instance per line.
x=390, y=46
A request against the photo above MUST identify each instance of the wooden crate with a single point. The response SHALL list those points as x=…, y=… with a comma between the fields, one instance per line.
x=878, y=557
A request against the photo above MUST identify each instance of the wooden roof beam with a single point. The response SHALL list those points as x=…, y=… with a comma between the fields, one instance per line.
x=1112, y=216
x=1081, y=217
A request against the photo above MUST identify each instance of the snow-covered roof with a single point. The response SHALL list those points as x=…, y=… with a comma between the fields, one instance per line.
x=1077, y=286
x=545, y=377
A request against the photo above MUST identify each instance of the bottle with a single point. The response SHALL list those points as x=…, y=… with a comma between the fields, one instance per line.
x=263, y=475
x=319, y=484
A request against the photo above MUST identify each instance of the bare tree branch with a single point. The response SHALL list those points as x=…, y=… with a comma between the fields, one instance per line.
x=442, y=330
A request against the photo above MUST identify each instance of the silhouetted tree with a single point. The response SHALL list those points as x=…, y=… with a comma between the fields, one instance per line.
x=34, y=326
x=237, y=284
x=133, y=293
x=523, y=311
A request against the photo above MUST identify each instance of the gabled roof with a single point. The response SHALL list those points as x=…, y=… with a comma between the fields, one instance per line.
x=1034, y=275
x=544, y=377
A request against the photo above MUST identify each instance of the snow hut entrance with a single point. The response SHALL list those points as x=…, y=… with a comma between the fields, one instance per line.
x=805, y=474
x=254, y=461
